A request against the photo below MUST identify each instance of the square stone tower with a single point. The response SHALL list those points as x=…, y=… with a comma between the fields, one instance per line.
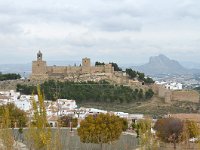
x=86, y=65
x=39, y=68
x=109, y=68
x=86, y=62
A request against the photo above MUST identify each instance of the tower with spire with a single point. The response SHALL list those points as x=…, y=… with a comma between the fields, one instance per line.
x=39, y=68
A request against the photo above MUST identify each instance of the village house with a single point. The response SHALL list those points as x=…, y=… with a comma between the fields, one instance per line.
x=67, y=104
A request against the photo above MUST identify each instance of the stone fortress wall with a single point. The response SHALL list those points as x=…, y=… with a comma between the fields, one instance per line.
x=87, y=72
x=40, y=70
x=186, y=95
x=176, y=95
x=84, y=72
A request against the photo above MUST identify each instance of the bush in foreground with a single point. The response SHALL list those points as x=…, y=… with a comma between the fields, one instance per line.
x=100, y=129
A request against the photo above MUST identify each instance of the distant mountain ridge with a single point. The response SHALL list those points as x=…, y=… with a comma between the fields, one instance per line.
x=161, y=64
x=190, y=65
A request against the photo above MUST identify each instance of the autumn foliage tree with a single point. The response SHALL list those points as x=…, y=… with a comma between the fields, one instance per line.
x=192, y=129
x=17, y=116
x=10, y=117
x=6, y=135
x=124, y=124
x=143, y=129
x=39, y=136
x=142, y=126
x=100, y=129
x=170, y=130
x=65, y=121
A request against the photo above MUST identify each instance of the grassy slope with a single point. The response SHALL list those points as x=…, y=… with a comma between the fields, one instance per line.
x=155, y=106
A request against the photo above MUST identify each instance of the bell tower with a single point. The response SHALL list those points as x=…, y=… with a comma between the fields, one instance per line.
x=39, y=56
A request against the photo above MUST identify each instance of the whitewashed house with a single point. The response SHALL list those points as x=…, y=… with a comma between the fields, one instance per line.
x=94, y=111
x=136, y=116
x=52, y=121
x=23, y=104
x=67, y=104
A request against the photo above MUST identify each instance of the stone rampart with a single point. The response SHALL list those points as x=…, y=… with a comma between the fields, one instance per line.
x=39, y=67
x=176, y=95
x=185, y=95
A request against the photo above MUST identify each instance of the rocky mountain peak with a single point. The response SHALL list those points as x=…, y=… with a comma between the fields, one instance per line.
x=161, y=64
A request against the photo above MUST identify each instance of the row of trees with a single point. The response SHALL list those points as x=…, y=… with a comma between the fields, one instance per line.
x=88, y=91
x=168, y=130
x=105, y=128
x=9, y=76
x=99, y=63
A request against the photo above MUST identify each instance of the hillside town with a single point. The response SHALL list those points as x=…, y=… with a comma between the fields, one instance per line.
x=58, y=108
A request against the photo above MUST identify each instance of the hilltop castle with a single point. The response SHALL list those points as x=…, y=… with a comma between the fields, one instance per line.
x=40, y=70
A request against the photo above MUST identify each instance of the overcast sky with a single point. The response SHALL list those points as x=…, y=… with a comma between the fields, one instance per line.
x=123, y=31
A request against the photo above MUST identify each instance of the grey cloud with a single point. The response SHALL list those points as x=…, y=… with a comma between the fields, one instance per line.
x=190, y=9
x=120, y=23
x=9, y=28
x=107, y=18
x=121, y=30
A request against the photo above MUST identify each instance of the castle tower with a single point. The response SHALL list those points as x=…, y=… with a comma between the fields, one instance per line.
x=109, y=68
x=168, y=97
x=39, y=68
x=86, y=62
x=86, y=65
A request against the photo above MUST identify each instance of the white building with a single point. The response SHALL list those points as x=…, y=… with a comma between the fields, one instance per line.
x=67, y=104
x=174, y=86
x=136, y=116
x=95, y=111
x=170, y=85
x=121, y=114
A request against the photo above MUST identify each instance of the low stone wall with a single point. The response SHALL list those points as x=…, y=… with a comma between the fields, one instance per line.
x=185, y=95
x=176, y=95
